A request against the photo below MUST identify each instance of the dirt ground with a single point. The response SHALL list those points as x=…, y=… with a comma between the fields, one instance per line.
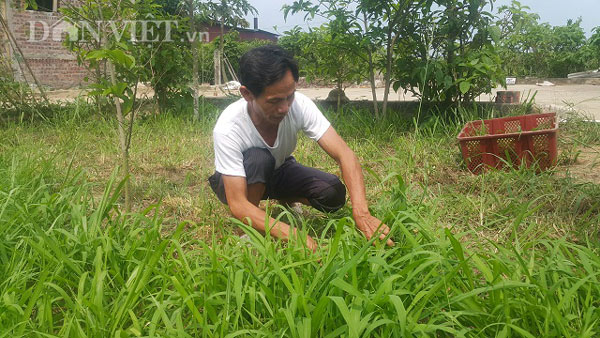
x=583, y=98
x=587, y=165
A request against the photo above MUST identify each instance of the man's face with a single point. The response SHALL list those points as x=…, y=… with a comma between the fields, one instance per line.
x=273, y=104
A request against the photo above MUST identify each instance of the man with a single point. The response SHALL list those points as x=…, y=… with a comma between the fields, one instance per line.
x=255, y=137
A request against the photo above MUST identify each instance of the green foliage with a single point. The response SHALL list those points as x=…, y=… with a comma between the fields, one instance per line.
x=162, y=56
x=370, y=32
x=117, y=44
x=13, y=94
x=470, y=75
x=440, y=50
x=531, y=48
x=20, y=103
x=233, y=49
x=168, y=63
x=121, y=90
x=595, y=48
x=454, y=59
x=227, y=12
x=326, y=55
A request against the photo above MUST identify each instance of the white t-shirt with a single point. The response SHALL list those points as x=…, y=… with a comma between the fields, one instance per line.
x=234, y=133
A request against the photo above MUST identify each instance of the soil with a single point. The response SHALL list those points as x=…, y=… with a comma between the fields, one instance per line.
x=586, y=167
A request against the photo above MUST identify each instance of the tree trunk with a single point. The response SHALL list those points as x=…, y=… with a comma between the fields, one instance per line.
x=371, y=72
x=222, y=53
x=217, y=67
x=195, y=44
x=339, y=95
x=196, y=83
x=388, y=71
x=122, y=139
x=450, y=51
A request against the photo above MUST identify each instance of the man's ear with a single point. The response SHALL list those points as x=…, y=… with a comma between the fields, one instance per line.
x=247, y=94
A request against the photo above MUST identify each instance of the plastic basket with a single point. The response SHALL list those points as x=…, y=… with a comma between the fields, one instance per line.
x=508, y=141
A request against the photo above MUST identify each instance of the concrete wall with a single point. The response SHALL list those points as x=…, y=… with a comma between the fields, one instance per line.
x=407, y=109
x=558, y=81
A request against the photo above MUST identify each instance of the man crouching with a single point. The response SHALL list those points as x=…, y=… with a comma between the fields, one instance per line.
x=254, y=139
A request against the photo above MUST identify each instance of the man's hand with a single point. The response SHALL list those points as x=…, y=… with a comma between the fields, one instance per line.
x=311, y=244
x=333, y=145
x=372, y=226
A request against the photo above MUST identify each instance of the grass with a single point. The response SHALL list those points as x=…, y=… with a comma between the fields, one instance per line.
x=508, y=253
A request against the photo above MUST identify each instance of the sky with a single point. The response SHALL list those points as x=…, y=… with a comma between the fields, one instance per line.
x=555, y=12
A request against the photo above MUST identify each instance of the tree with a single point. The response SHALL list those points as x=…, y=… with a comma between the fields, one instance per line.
x=373, y=23
x=523, y=39
x=108, y=39
x=531, y=48
x=226, y=13
x=568, y=42
x=389, y=22
x=594, y=44
x=169, y=70
x=327, y=56
x=454, y=59
x=346, y=22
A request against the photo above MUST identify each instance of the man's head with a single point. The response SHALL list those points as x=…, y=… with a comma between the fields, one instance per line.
x=263, y=66
x=268, y=75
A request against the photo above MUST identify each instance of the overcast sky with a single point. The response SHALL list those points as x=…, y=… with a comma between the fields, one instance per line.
x=555, y=12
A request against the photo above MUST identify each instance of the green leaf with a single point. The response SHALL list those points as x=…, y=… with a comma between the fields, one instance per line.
x=127, y=105
x=465, y=86
x=121, y=58
x=96, y=55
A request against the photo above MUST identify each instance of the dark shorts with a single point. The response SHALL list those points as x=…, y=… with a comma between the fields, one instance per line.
x=324, y=191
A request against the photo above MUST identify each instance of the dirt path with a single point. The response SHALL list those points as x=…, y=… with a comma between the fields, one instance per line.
x=583, y=98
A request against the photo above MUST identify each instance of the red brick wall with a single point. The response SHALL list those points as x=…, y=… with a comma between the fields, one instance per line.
x=58, y=74
x=50, y=61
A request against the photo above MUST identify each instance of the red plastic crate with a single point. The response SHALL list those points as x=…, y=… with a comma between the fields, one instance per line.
x=508, y=141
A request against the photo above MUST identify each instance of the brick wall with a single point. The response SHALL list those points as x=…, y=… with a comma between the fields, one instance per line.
x=53, y=65
x=40, y=36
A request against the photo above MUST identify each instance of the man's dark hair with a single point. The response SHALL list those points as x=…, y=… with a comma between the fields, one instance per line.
x=262, y=66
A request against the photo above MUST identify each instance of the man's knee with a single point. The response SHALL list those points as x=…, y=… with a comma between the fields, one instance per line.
x=259, y=165
x=331, y=199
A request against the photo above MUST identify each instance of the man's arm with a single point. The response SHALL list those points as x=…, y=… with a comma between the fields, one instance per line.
x=335, y=146
x=236, y=192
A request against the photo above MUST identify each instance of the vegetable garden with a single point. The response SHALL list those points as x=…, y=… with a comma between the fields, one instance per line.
x=108, y=227
x=507, y=253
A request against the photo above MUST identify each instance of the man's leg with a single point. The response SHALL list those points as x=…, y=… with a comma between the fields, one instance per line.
x=259, y=165
x=293, y=182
